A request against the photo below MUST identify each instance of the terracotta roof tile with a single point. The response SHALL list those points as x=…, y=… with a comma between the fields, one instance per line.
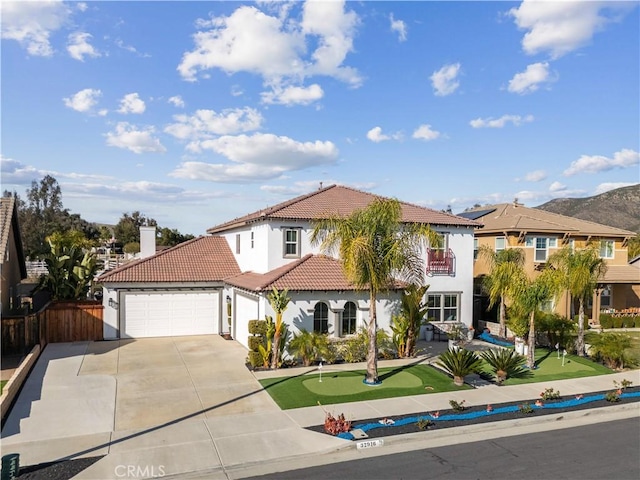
x=6, y=215
x=203, y=259
x=311, y=272
x=622, y=274
x=342, y=201
x=512, y=218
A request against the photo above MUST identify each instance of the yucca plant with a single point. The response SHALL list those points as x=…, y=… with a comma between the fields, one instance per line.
x=459, y=363
x=505, y=363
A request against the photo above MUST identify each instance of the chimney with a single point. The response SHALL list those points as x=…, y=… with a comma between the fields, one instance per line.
x=147, y=241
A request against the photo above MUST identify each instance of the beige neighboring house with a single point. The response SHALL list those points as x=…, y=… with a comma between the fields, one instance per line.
x=540, y=233
x=13, y=267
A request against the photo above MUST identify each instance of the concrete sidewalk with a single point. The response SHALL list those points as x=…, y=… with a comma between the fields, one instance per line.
x=168, y=407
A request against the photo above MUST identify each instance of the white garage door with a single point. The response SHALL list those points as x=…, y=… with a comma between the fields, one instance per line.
x=170, y=314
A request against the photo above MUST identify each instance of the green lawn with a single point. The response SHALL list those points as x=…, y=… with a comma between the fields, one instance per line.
x=2, y=384
x=344, y=387
x=550, y=368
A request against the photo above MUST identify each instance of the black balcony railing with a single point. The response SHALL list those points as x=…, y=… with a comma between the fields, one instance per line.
x=440, y=262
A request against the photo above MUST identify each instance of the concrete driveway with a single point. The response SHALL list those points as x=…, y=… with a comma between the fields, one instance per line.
x=183, y=403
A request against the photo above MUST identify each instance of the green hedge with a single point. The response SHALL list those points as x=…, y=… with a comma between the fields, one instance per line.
x=254, y=342
x=609, y=321
x=258, y=327
x=255, y=359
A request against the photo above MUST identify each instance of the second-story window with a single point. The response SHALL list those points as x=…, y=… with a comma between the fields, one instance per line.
x=237, y=243
x=251, y=239
x=291, y=247
x=606, y=248
x=475, y=248
x=541, y=249
x=501, y=243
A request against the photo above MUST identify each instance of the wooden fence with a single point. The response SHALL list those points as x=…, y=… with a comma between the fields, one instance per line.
x=57, y=322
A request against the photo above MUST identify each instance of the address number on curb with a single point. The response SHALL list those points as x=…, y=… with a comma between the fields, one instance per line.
x=378, y=442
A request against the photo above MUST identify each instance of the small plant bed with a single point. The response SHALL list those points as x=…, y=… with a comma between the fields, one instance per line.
x=427, y=421
x=344, y=387
x=549, y=367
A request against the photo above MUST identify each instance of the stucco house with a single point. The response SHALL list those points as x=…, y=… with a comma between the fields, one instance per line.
x=13, y=267
x=540, y=233
x=224, y=278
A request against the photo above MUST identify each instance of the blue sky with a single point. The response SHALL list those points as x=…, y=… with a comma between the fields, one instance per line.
x=198, y=112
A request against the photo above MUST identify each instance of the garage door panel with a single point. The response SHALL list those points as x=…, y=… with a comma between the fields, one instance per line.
x=170, y=314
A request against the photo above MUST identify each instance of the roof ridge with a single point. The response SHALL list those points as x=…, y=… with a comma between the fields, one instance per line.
x=289, y=267
x=436, y=211
x=140, y=261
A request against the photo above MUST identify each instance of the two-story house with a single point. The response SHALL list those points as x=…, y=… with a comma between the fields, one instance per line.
x=223, y=279
x=540, y=233
x=13, y=267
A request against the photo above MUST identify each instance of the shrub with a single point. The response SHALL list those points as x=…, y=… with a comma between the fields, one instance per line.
x=506, y=363
x=525, y=408
x=254, y=342
x=457, y=406
x=257, y=327
x=618, y=322
x=459, y=363
x=335, y=425
x=550, y=394
x=629, y=322
x=255, y=359
x=310, y=346
x=637, y=322
x=610, y=348
x=557, y=327
x=355, y=349
x=606, y=320
x=424, y=423
x=612, y=397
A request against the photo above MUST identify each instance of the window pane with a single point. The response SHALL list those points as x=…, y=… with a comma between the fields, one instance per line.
x=553, y=242
x=500, y=243
x=321, y=318
x=541, y=243
x=528, y=241
x=349, y=319
x=434, y=300
x=541, y=255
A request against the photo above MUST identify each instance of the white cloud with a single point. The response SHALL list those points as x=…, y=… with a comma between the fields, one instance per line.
x=84, y=100
x=32, y=23
x=490, y=122
x=132, y=138
x=130, y=48
x=16, y=173
x=529, y=80
x=176, y=101
x=376, y=135
x=445, y=81
x=598, y=163
x=132, y=103
x=605, y=187
x=78, y=46
x=535, y=176
x=399, y=27
x=236, y=90
x=293, y=95
x=562, y=27
x=257, y=157
x=273, y=47
x=205, y=123
x=425, y=132
x=82, y=6
x=557, y=187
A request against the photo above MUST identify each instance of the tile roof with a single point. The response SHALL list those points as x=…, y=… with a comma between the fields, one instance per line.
x=6, y=216
x=342, y=201
x=311, y=272
x=203, y=259
x=9, y=219
x=507, y=217
x=622, y=274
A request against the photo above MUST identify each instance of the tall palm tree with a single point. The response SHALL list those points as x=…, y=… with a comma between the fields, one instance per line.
x=529, y=295
x=279, y=301
x=505, y=267
x=581, y=271
x=376, y=248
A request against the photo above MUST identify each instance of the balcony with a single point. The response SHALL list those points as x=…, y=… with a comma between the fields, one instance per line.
x=440, y=262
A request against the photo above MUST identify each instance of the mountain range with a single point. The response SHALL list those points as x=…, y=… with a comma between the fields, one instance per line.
x=617, y=208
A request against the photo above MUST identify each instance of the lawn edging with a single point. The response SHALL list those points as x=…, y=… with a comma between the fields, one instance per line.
x=13, y=386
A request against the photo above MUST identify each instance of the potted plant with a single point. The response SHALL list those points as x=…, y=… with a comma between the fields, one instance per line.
x=456, y=335
x=520, y=327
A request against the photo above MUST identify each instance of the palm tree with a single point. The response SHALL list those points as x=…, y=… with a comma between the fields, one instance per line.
x=581, y=271
x=279, y=301
x=529, y=295
x=376, y=248
x=505, y=267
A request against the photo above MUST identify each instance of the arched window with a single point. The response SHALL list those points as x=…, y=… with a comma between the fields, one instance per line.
x=349, y=319
x=321, y=318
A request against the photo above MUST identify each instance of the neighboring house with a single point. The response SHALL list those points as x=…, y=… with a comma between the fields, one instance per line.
x=540, y=233
x=270, y=248
x=13, y=267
